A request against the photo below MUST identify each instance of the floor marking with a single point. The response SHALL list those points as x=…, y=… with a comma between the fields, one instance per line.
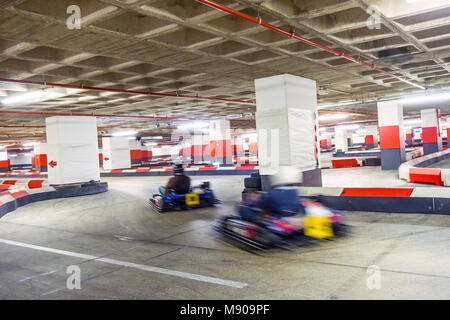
x=180, y=274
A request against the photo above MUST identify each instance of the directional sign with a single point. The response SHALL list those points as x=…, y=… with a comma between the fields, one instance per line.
x=53, y=164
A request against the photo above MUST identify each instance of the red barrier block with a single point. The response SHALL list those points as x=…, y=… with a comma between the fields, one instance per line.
x=345, y=163
x=377, y=192
x=34, y=184
x=10, y=182
x=207, y=169
x=426, y=175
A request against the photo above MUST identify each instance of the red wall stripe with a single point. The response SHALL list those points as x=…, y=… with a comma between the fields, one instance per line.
x=390, y=138
x=429, y=135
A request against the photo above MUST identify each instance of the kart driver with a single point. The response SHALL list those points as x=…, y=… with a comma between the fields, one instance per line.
x=180, y=183
x=282, y=198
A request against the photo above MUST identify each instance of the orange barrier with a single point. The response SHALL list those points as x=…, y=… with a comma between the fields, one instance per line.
x=345, y=163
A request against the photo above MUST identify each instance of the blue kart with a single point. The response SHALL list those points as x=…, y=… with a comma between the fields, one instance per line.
x=198, y=197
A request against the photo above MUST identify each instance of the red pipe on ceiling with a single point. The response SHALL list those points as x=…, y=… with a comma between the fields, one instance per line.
x=148, y=93
x=291, y=34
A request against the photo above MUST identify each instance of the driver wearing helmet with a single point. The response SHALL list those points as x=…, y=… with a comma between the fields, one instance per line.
x=282, y=198
x=180, y=183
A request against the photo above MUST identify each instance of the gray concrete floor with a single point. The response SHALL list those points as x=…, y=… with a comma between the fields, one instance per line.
x=412, y=252
x=360, y=177
x=444, y=164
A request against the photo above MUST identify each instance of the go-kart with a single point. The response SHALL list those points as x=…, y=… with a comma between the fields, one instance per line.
x=288, y=230
x=198, y=197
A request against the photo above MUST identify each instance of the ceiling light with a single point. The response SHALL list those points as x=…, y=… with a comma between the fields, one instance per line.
x=194, y=125
x=30, y=144
x=123, y=133
x=425, y=98
x=149, y=144
x=31, y=97
x=152, y=138
x=337, y=116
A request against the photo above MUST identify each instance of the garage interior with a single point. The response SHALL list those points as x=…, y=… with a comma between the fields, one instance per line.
x=146, y=69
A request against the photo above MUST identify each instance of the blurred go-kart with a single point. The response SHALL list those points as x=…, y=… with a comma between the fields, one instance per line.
x=198, y=197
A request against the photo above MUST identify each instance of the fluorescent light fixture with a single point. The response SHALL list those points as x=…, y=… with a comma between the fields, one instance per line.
x=152, y=138
x=329, y=117
x=411, y=122
x=30, y=144
x=413, y=1
x=348, y=127
x=124, y=133
x=194, y=125
x=31, y=97
x=426, y=98
x=149, y=144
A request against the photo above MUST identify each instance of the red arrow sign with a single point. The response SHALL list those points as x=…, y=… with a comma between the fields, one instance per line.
x=106, y=159
x=53, y=164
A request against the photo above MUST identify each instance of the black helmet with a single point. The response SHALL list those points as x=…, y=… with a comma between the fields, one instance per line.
x=178, y=169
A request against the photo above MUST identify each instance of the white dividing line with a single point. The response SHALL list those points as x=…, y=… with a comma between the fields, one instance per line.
x=186, y=275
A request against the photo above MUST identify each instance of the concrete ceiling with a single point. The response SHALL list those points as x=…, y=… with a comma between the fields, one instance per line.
x=184, y=47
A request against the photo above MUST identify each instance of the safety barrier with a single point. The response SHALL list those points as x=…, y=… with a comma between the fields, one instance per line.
x=244, y=169
x=394, y=200
x=31, y=184
x=11, y=199
x=416, y=170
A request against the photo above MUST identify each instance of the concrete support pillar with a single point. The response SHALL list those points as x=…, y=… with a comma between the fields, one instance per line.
x=100, y=157
x=220, y=142
x=72, y=150
x=135, y=152
x=286, y=108
x=253, y=145
x=238, y=149
x=116, y=153
x=392, y=142
x=186, y=149
x=371, y=138
x=40, y=157
x=431, y=133
x=417, y=136
x=409, y=137
x=200, y=148
x=4, y=162
x=340, y=140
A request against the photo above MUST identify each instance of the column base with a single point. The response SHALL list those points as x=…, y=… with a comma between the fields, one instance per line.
x=391, y=159
x=431, y=148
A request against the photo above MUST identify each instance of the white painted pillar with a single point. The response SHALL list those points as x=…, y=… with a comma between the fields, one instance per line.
x=340, y=139
x=286, y=108
x=431, y=134
x=116, y=153
x=220, y=142
x=72, y=150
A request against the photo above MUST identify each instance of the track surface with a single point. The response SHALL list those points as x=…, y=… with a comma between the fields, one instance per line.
x=444, y=164
x=127, y=251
